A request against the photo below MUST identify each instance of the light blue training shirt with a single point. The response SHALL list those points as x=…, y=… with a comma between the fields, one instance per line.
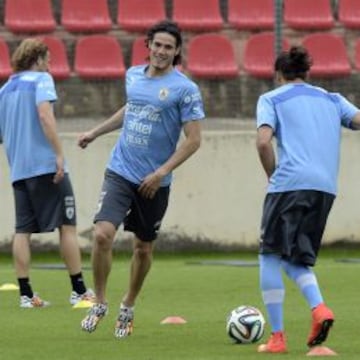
x=156, y=109
x=307, y=124
x=28, y=151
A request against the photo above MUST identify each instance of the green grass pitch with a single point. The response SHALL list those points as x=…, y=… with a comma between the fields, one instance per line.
x=201, y=294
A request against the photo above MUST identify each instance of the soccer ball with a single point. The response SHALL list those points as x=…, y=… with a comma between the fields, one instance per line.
x=245, y=324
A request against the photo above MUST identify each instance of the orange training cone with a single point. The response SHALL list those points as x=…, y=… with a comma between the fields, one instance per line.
x=321, y=351
x=173, y=320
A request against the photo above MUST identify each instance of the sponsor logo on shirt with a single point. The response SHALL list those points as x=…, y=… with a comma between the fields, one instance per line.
x=192, y=98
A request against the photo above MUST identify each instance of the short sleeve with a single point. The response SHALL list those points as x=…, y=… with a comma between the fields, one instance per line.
x=347, y=110
x=45, y=89
x=265, y=112
x=191, y=104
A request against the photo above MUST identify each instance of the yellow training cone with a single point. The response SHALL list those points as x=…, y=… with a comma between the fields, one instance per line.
x=83, y=304
x=8, y=287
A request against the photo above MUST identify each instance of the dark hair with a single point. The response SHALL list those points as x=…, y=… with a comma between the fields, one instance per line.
x=27, y=54
x=171, y=28
x=294, y=63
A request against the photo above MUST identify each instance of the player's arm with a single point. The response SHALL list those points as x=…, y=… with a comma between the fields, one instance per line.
x=111, y=124
x=265, y=149
x=191, y=143
x=355, y=122
x=48, y=123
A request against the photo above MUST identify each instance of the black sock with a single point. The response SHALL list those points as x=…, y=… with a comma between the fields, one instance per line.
x=77, y=283
x=25, y=287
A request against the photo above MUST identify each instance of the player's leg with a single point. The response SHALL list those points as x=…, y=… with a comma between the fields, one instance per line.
x=25, y=225
x=306, y=281
x=322, y=316
x=70, y=251
x=22, y=256
x=139, y=268
x=273, y=242
x=115, y=201
x=273, y=294
x=104, y=233
x=315, y=207
x=54, y=206
x=145, y=221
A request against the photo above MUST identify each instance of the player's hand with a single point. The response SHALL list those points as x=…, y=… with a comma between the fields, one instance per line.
x=59, y=175
x=85, y=139
x=150, y=185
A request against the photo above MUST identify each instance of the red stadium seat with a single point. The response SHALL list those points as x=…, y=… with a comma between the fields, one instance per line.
x=139, y=51
x=251, y=14
x=59, y=65
x=349, y=13
x=211, y=56
x=99, y=56
x=25, y=16
x=5, y=67
x=357, y=54
x=329, y=55
x=259, y=54
x=308, y=14
x=138, y=15
x=198, y=15
x=85, y=15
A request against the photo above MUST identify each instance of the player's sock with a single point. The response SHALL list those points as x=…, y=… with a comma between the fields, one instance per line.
x=77, y=283
x=306, y=281
x=272, y=288
x=25, y=287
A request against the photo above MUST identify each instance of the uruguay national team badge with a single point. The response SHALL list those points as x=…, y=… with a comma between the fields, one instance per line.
x=70, y=212
x=163, y=94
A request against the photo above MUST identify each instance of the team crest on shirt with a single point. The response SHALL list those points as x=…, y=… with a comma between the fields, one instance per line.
x=163, y=93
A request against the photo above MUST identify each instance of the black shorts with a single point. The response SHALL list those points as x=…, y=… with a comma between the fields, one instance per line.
x=42, y=206
x=293, y=224
x=120, y=202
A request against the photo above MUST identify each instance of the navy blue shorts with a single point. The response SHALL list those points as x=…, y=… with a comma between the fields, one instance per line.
x=42, y=206
x=120, y=202
x=293, y=224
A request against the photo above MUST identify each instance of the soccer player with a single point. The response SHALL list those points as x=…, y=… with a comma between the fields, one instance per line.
x=43, y=194
x=161, y=102
x=306, y=122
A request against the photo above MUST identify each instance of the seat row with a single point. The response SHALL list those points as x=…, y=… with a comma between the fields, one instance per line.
x=24, y=16
x=101, y=56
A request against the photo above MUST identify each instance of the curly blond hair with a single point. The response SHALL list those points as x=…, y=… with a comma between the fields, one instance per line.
x=27, y=54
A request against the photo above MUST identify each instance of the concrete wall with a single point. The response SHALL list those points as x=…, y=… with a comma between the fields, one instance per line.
x=216, y=196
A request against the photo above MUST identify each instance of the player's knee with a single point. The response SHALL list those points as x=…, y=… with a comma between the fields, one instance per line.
x=103, y=239
x=143, y=252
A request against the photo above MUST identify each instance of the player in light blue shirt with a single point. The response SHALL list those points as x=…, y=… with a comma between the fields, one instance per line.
x=308, y=149
x=155, y=113
x=44, y=199
x=19, y=99
x=161, y=104
x=306, y=122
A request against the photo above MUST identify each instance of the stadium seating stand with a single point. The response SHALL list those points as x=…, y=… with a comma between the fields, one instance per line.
x=211, y=56
x=329, y=55
x=99, y=57
x=199, y=15
x=139, y=15
x=251, y=14
x=25, y=16
x=85, y=15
